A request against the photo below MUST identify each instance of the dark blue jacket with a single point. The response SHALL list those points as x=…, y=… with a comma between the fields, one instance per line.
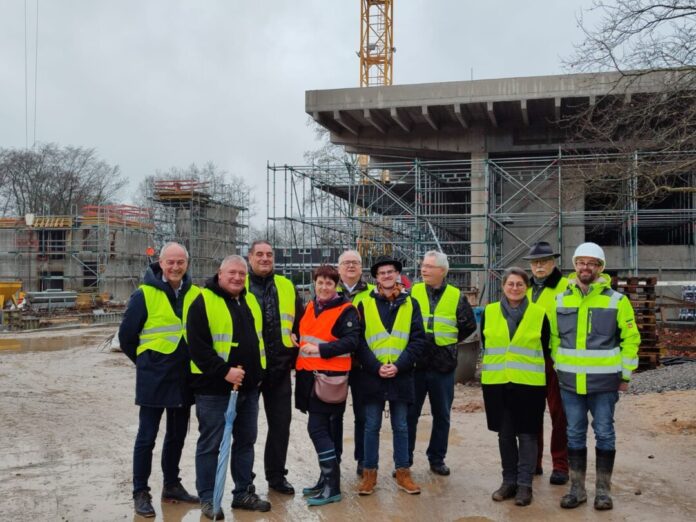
x=401, y=387
x=160, y=380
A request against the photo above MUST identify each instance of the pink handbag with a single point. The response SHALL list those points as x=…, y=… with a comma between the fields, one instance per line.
x=332, y=389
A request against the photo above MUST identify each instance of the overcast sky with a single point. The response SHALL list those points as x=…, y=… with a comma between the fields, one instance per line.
x=153, y=84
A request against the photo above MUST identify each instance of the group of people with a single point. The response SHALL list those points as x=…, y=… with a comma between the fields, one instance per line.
x=247, y=329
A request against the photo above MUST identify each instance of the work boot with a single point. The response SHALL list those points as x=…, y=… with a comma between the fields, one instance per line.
x=177, y=493
x=282, y=486
x=605, y=467
x=207, y=511
x=143, y=503
x=504, y=492
x=577, y=461
x=523, y=496
x=558, y=478
x=405, y=482
x=316, y=488
x=368, y=482
x=250, y=501
x=331, y=487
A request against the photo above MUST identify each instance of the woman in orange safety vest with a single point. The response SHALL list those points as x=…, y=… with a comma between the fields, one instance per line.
x=329, y=334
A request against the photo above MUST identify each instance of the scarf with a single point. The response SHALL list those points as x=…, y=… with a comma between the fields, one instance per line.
x=513, y=316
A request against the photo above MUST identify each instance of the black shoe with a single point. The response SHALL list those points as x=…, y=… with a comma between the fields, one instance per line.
x=143, y=504
x=440, y=469
x=207, y=511
x=523, y=496
x=558, y=478
x=282, y=486
x=539, y=471
x=178, y=493
x=504, y=492
x=250, y=502
x=359, y=469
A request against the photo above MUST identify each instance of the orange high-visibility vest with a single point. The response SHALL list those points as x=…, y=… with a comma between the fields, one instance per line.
x=317, y=330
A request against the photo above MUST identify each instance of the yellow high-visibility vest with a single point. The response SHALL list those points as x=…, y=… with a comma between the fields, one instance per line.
x=163, y=330
x=286, y=306
x=387, y=346
x=444, y=317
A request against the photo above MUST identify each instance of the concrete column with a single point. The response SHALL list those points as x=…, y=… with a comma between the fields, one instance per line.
x=479, y=213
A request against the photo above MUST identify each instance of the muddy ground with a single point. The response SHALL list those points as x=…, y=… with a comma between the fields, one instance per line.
x=67, y=425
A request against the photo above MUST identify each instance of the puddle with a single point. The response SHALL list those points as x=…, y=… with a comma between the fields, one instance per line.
x=50, y=344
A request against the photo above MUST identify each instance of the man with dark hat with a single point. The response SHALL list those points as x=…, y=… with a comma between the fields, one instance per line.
x=392, y=341
x=547, y=282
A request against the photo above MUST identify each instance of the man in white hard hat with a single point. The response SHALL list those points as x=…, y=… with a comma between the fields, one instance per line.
x=594, y=343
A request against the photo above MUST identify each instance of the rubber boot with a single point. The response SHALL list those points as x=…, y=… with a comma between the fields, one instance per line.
x=331, y=490
x=314, y=490
x=605, y=467
x=577, y=462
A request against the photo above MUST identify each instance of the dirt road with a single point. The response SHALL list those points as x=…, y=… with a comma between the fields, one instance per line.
x=67, y=425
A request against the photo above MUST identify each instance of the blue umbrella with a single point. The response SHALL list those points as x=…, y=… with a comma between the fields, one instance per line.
x=224, y=454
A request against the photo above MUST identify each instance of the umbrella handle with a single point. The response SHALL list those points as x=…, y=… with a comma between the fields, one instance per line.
x=235, y=387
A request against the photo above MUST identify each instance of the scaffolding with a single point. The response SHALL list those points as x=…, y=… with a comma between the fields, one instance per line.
x=484, y=214
x=209, y=218
x=101, y=249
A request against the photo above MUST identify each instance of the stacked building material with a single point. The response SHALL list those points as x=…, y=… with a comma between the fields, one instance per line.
x=641, y=292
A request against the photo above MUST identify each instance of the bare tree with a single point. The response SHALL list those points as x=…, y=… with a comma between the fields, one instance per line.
x=651, y=44
x=53, y=180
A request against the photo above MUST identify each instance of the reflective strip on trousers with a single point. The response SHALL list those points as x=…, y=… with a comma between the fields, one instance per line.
x=161, y=329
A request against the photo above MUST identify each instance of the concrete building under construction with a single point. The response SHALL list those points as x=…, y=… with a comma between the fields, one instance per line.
x=481, y=170
x=106, y=249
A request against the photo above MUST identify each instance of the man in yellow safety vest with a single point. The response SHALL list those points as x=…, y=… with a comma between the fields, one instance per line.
x=152, y=335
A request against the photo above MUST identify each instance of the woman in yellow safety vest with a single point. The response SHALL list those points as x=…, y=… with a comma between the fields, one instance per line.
x=515, y=335
x=329, y=334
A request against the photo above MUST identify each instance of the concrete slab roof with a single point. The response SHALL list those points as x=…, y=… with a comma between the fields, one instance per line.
x=458, y=118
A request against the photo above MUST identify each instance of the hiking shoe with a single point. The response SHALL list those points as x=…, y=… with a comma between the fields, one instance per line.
x=207, y=511
x=405, y=482
x=504, y=492
x=143, y=504
x=178, y=493
x=368, y=482
x=250, y=502
x=523, y=496
x=558, y=478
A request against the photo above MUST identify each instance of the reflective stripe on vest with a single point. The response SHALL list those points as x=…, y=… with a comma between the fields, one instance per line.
x=520, y=359
x=317, y=330
x=163, y=330
x=286, y=306
x=577, y=356
x=222, y=329
x=444, y=317
x=387, y=347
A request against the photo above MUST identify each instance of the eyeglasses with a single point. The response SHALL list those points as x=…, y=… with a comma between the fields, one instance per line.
x=587, y=264
x=350, y=263
x=386, y=273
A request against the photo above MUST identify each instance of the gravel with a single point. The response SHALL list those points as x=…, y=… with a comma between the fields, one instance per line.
x=665, y=378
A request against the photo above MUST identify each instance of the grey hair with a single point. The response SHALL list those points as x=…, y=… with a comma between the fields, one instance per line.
x=171, y=244
x=516, y=270
x=354, y=252
x=440, y=259
x=234, y=258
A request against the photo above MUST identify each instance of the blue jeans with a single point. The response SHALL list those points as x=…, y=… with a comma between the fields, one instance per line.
x=398, y=412
x=440, y=388
x=177, y=424
x=601, y=405
x=210, y=410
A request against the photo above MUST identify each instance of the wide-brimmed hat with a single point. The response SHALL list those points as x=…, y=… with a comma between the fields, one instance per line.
x=385, y=260
x=540, y=250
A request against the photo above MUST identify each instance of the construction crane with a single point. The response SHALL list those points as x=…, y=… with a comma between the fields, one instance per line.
x=376, y=61
x=376, y=42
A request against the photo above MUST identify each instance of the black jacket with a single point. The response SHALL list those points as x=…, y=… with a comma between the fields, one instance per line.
x=161, y=381
x=444, y=358
x=401, y=387
x=279, y=359
x=347, y=333
x=246, y=354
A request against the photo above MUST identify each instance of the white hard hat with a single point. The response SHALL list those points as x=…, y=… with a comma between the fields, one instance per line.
x=590, y=250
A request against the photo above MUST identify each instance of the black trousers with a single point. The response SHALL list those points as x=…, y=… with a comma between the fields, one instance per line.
x=277, y=402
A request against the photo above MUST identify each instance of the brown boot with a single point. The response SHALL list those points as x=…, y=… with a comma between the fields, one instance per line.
x=405, y=482
x=368, y=482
